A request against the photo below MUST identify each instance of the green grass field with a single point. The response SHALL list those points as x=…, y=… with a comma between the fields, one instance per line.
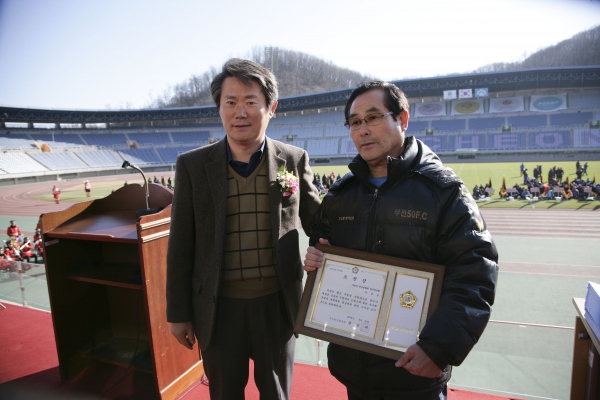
x=470, y=173
x=481, y=173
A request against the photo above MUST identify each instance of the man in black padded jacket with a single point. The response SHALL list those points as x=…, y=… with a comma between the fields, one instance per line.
x=399, y=200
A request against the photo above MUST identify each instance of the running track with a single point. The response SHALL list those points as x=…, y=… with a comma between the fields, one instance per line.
x=16, y=201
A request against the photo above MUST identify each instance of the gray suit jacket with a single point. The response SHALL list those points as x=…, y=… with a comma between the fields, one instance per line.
x=195, y=254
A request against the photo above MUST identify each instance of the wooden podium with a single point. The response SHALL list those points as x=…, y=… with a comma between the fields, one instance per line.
x=106, y=272
x=585, y=371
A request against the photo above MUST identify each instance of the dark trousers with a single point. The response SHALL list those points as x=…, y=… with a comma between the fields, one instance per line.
x=441, y=395
x=247, y=329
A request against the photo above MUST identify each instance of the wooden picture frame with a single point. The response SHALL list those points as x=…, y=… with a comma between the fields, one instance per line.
x=369, y=302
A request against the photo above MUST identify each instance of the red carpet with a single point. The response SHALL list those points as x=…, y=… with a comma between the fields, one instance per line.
x=29, y=366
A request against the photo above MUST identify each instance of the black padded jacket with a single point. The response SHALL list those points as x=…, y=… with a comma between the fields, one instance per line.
x=422, y=212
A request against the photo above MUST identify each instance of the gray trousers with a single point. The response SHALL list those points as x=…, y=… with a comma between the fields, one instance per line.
x=247, y=329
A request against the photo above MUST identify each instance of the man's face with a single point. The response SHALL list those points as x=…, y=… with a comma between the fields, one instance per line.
x=375, y=143
x=12, y=223
x=244, y=112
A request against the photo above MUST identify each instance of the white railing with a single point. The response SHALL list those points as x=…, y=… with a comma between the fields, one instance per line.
x=16, y=276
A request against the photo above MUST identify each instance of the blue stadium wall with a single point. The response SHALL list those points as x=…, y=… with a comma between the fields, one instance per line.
x=463, y=130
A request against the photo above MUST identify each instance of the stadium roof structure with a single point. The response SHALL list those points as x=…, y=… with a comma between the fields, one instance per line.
x=497, y=82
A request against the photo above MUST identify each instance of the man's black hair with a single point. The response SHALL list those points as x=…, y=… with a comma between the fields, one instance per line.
x=246, y=71
x=395, y=99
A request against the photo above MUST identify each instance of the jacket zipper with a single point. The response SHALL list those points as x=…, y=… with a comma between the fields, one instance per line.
x=371, y=227
x=371, y=234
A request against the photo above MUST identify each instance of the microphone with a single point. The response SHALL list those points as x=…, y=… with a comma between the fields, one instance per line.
x=148, y=210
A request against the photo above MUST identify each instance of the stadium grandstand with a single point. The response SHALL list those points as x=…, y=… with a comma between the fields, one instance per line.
x=550, y=113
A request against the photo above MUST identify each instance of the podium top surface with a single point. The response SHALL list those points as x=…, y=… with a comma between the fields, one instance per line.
x=110, y=219
x=117, y=226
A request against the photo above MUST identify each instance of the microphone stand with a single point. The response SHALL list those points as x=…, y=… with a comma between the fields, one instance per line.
x=148, y=210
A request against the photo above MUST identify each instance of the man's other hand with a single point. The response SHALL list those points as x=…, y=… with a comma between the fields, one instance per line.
x=184, y=333
x=314, y=257
x=418, y=363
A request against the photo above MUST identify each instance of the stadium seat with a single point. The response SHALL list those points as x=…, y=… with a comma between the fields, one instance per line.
x=150, y=138
x=58, y=139
x=19, y=163
x=190, y=136
x=100, y=158
x=59, y=161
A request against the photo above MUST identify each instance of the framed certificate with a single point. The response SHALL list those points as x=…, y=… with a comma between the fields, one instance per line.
x=370, y=302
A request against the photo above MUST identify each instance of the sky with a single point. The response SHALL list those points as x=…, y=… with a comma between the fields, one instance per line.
x=114, y=54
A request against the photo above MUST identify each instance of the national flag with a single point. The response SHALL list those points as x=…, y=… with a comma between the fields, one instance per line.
x=465, y=93
x=449, y=94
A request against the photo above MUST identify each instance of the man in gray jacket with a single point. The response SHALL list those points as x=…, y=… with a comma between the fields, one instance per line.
x=399, y=200
x=234, y=273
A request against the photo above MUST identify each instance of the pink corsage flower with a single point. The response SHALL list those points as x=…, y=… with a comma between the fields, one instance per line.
x=288, y=182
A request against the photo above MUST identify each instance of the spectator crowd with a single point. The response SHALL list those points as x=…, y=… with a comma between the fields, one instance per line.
x=554, y=188
x=323, y=183
x=168, y=182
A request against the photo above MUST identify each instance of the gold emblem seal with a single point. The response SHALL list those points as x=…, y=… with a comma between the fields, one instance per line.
x=408, y=300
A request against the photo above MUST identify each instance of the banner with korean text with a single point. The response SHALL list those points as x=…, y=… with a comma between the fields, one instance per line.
x=547, y=103
x=466, y=107
x=507, y=104
x=430, y=109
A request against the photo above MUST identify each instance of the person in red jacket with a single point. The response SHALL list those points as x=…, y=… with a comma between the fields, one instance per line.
x=87, y=187
x=5, y=263
x=56, y=194
x=13, y=230
x=39, y=247
x=37, y=235
x=11, y=252
x=27, y=250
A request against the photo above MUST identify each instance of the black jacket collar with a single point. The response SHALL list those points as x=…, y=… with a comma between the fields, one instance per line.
x=397, y=166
